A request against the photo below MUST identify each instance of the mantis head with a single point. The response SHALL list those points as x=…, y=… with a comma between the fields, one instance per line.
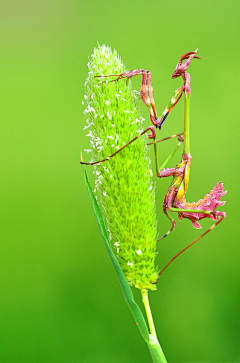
x=182, y=68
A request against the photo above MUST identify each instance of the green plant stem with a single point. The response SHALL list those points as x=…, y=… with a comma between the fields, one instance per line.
x=148, y=312
x=153, y=344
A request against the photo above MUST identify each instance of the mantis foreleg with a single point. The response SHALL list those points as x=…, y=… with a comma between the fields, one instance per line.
x=147, y=94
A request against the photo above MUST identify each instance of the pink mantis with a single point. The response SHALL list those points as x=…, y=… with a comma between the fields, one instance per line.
x=175, y=197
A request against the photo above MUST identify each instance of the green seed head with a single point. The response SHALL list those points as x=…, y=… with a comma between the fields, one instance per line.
x=123, y=185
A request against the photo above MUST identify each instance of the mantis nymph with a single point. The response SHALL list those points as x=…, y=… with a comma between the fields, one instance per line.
x=175, y=197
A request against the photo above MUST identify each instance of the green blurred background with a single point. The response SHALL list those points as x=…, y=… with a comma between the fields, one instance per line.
x=60, y=299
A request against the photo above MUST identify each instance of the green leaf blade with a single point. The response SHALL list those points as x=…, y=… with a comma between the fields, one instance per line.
x=153, y=345
x=127, y=292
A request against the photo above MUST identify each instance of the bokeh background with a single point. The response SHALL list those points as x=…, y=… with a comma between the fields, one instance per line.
x=60, y=299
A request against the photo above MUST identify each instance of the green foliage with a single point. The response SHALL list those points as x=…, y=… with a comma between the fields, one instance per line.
x=123, y=184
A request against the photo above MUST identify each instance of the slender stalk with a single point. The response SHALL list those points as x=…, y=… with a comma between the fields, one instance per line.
x=148, y=312
x=186, y=125
x=153, y=344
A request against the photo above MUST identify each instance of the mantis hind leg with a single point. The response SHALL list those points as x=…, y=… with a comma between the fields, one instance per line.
x=180, y=141
x=221, y=216
x=151, y=136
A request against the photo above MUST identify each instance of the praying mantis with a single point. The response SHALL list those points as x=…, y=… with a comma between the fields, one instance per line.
x=174, y=200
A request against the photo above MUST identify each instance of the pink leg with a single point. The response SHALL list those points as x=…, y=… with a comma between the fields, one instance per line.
x=218, y=214
x=151, y=136
x=146, y=89
x=147, y=94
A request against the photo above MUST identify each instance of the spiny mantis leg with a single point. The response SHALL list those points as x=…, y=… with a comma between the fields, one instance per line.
x=223, y=215
x=147, y=94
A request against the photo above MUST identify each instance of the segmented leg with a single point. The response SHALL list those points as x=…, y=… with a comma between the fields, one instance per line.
x=147, y=94
x=151, y=136
x=169, y=137
x=180, y=139
x=171, y=229
x=222, y=216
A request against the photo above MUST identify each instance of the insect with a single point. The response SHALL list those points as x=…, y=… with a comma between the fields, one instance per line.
x=174, y=200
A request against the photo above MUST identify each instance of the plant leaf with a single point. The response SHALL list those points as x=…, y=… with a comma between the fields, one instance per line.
x=127, y=292
x=153, y=345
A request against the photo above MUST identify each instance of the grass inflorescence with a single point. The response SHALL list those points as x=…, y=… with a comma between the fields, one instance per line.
x=123, y=185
